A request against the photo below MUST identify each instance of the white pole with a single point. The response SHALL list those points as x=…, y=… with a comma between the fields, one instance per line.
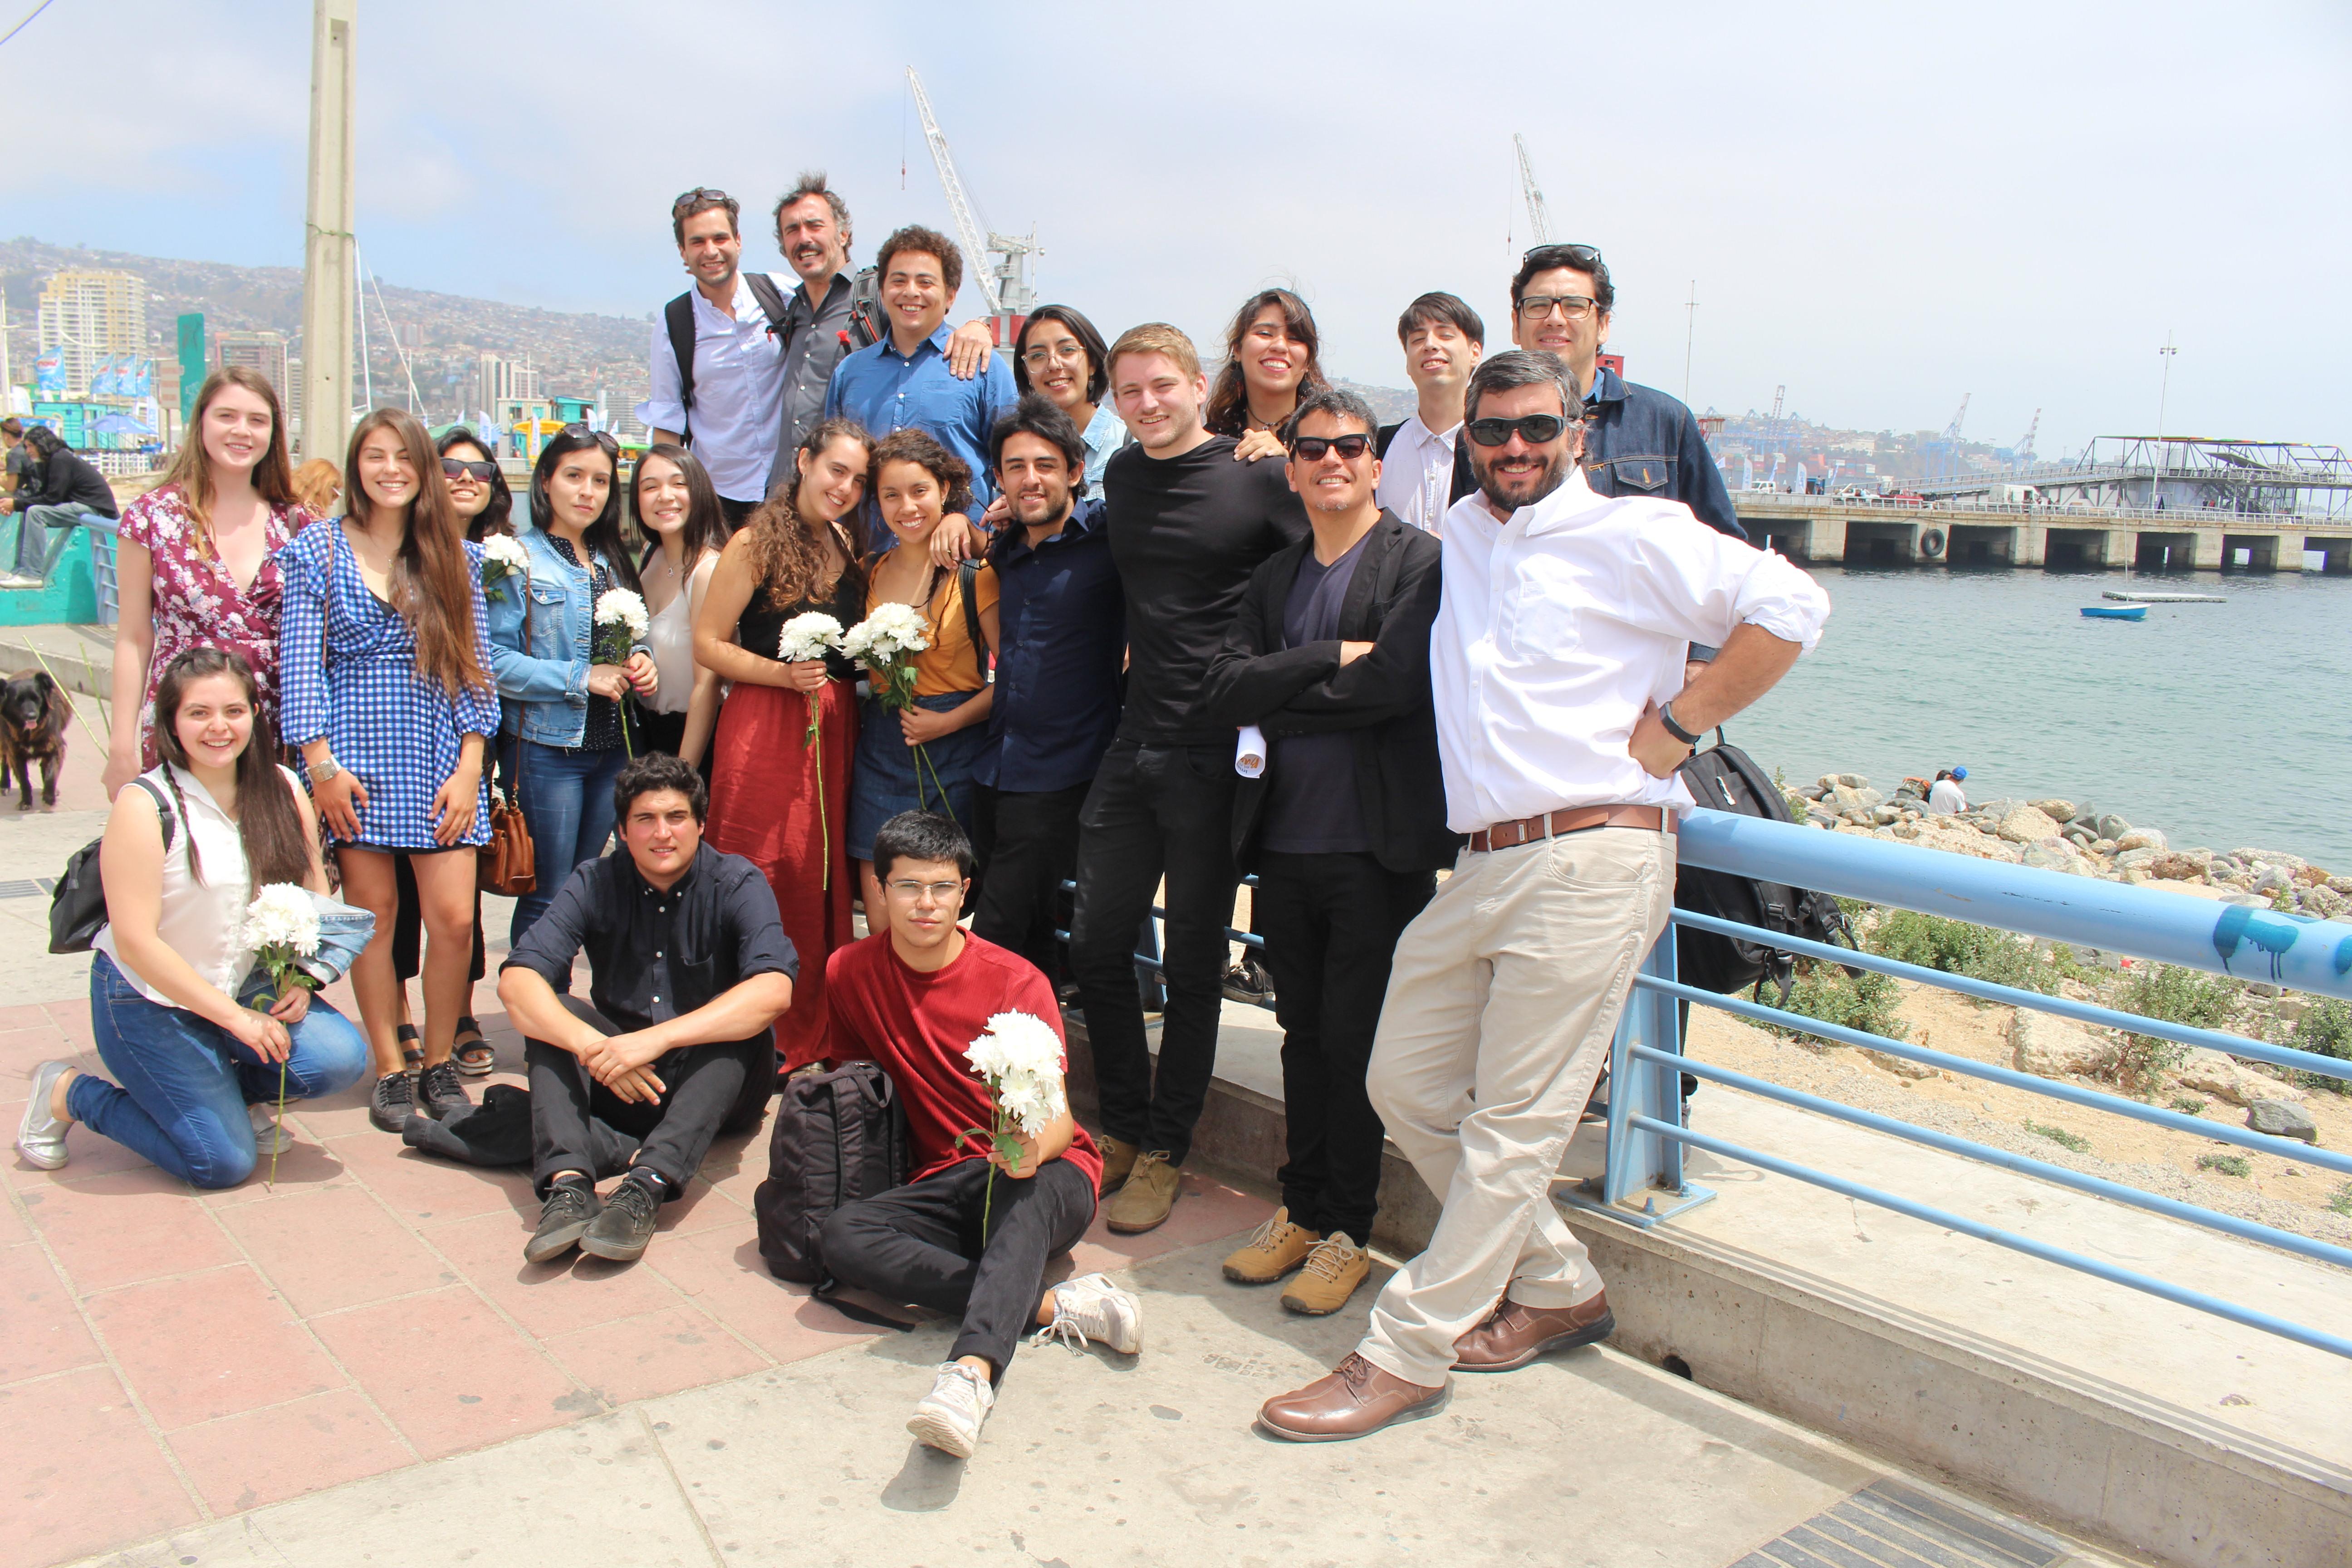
x=2164, y=394
x=328, y=262
x=1690, y=326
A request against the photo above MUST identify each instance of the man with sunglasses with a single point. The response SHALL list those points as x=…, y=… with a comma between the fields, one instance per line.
x=1555, y=668
x=1638, y=440
x=1345, y=827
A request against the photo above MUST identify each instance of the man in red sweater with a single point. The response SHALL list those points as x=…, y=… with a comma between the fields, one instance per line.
x=913, y=999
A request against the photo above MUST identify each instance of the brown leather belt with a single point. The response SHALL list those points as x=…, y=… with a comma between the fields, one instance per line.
x=1574, y=819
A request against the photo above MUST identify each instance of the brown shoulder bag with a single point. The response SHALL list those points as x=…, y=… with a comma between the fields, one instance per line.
x=507, y=865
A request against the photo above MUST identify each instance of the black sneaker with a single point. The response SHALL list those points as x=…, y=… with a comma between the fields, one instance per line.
x=622, y=1231
x=393, y=1103
x=571, y=1208
x=441, y=1093
x=1248, y=982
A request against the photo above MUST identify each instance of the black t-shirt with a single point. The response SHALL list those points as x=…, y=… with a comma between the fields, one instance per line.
x=1186, y=534
x=1311, y=806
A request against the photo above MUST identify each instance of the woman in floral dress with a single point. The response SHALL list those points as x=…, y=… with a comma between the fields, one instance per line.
x=195, y=562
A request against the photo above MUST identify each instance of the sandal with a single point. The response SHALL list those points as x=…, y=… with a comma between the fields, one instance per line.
x=473, y=1057
x=412, y=1051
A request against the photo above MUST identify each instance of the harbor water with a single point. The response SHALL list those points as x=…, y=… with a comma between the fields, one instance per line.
x=2225, y=725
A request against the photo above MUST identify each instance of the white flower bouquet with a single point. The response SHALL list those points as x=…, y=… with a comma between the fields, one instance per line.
x=806, y=636
x=282, y=925
x=885, y=642
x=1019, y=1056
x=503, y=556
x=621, y=625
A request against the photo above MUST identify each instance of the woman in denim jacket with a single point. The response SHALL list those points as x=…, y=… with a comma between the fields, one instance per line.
x=566, y=707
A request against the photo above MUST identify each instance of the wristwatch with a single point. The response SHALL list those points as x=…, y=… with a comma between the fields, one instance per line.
x=1666, y=716
x=321, y=771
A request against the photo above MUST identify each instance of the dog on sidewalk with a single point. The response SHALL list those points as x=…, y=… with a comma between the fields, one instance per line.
x=33, y=713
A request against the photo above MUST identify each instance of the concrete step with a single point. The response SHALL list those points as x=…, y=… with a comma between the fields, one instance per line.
x=81, y=657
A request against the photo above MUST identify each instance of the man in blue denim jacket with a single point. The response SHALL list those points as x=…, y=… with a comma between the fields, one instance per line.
x=1637, y=441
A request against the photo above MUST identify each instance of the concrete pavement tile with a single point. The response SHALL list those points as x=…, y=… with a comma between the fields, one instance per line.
x=332, y=1247
x=304, y=1165
x=594, y=1494
x=339, y=1115
x=125, y=1227
x=575, y=1291
x=1207, y=1210
x=211, y=1344
x=726, y=1279
x=267, y=1456
x=84, y=1473
x=24, y=1017
x=21, y=1048
x=13, y=1228
x=428, y=1192
x=662, y=1352
x=89, y=1154
x=450, y=1373
x=46, y=1332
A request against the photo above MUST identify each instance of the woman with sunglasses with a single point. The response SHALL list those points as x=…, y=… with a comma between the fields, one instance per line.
x=1270, y=363
x=567, y=707
x=674, y=502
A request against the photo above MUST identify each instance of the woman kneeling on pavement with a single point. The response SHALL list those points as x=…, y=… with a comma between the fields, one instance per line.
x=176, y=997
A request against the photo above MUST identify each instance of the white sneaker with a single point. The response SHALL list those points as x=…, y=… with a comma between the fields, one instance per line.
x=1090, y=1308
x=950, y=1416
x=40, y=1137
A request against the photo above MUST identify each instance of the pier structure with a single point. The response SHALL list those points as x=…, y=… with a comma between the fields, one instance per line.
x=1991, y=534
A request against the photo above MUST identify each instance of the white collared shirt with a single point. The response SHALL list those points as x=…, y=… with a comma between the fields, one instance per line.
x=1417, y=476
x=739, y=390
x=1560, y=626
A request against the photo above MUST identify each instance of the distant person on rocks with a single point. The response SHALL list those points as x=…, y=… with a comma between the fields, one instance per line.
x=971, y=1232
x=1556, y=666
x=1424, y=461
x=1943, y=796
x=689, y=969
x=1639, y=441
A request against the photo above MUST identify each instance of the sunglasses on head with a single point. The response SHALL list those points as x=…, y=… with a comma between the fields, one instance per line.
x=482, y=473
x=1535, y=429
x=699, y=192
x=1312, y=448
x=1583, y=257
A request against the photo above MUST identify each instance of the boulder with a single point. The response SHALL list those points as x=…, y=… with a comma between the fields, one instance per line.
x=2140, y=839
x=2178, y=866
x=2127, y=858
x=1900, y=1067
x=2326, y=902
x=2055, y=808
x=1811, y=792
x=2224, y=1078
x=2282, y=1118
x=2054, y=853
x=1851, y=797
x=2312, y=877
x=2271, y=858
x=2027, y=825
x=1886, y=816
x=2272, y=880
x=1852, y=781
x=2113, y=826
x=2340, y=884
x=2048, y=1046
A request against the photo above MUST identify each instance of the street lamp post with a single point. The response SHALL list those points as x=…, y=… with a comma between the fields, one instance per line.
x=327, y=251
x=2164, y=394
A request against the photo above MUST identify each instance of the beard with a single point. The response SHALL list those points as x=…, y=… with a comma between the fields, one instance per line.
x=1515, y=491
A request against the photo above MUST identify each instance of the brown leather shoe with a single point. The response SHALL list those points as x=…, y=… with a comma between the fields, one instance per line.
x=1357, y=1398
x=1514, y=1335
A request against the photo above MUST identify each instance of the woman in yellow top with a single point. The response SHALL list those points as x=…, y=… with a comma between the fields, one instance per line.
x=915, y=482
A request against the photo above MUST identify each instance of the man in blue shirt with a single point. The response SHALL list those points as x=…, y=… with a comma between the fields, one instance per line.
x=1062, y=620
x=904, y=380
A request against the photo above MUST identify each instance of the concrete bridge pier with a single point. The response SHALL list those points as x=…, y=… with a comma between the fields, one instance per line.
x=2260, y=551
x=2337, y=552
x=1810, y=539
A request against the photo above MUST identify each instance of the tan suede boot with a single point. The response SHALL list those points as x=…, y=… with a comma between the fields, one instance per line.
x=1142, y=1203
x=1118, y=1159
x=1331, y=1275
x=1276, y=1248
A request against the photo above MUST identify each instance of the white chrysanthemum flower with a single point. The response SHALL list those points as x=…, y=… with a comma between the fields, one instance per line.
x=505, y=553
x=890, y=630
x=807, y=636
x=283, y=916
x=1029, y=1042
x=620, y=607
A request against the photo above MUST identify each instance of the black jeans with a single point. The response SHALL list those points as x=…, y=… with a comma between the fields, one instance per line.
x=707, y=1089
x=1331, y=928
x=920, y=1243
x=1155, y=810
x=1032, y=849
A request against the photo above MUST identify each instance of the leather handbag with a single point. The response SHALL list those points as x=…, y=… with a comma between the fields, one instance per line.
x=506, y=864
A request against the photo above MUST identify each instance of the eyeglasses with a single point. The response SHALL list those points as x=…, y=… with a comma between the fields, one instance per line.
x=926, y=892
x=1535, y=429
x=1536, y=306
x=482, y=473
x=1312, y=448
x=1583, y=257
x=679, y=208
x=1045, y=354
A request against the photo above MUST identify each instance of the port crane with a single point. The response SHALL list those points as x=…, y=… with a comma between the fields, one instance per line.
x=1538, y=221
x=2023, y=454
x=1004, y=286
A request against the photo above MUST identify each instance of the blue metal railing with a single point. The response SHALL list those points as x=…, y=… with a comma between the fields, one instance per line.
x=1149, y=966
x=1646, y=1135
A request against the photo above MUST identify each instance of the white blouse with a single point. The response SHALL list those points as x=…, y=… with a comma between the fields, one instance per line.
x=203, y=923
x=669, y=634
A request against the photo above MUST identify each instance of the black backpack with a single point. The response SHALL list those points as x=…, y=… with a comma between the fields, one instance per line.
x=865, y=324
x=77, y=903
x=1725, y=778
x=839, y=1136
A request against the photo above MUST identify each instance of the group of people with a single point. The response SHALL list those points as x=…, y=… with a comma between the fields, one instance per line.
x=49, y=488
x=1179, y=629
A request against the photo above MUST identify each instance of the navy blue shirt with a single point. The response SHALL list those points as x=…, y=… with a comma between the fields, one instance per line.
x=1063, y=621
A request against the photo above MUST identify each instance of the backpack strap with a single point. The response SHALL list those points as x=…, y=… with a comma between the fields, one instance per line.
x=163, y=808
x=678, y=316
x=967, y=575
x=865, y=329
x=772, y=303
x=1386, y=439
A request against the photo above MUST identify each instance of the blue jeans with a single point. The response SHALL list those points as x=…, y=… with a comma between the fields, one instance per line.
x=186, y=1081
x=567, y=798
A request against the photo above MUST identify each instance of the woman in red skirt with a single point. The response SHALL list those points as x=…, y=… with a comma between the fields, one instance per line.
x=779, y=798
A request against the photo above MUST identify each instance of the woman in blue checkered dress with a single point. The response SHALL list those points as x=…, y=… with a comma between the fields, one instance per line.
x=384, y=659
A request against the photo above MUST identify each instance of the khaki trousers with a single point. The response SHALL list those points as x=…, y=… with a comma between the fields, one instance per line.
x=1501, y=1006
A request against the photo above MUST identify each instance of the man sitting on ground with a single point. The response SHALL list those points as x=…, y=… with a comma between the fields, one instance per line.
x=689, y=965
x=971, y=1232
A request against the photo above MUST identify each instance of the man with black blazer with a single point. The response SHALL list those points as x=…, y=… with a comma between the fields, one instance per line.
x=1344, y=821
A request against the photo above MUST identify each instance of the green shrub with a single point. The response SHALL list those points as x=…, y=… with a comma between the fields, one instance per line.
x=2060, y=1136
x=1824, y=990
x=2224, y=1164
x=2188, y=1104
x=1978, y=952
x=2342, y=1202
x=2324, y=1030
x=2177, y=995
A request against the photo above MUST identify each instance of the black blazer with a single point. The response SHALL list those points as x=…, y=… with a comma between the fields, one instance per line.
x=1383, y=697
x=1464, y=481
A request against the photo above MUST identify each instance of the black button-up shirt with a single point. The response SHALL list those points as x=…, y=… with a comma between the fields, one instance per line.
x=653, y=955
x=1063, y=621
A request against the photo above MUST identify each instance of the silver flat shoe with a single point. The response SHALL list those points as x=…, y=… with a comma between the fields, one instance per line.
x=40, y=1137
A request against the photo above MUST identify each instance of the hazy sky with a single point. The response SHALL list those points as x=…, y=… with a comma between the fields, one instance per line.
x=1882, y=207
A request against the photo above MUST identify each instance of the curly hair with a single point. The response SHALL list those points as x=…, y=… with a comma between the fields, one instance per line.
x=786, y=558
x=921, y=448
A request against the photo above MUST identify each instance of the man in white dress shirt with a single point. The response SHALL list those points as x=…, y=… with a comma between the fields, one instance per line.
x=1556, y=670
x=1423, y=467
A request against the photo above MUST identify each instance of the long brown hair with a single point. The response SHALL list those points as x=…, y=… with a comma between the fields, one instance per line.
x=1228, y=412
x=277, y=848
x=191, y=469
x=786, y=558
x=432, y=582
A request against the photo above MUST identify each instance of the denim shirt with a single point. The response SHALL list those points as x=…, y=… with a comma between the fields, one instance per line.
x=1638, y=441
x=544, y=684
x=885, y=390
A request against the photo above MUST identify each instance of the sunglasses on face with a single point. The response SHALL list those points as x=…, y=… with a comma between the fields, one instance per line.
x=480, y=473
x=1311, y=448
x=1535, y=429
